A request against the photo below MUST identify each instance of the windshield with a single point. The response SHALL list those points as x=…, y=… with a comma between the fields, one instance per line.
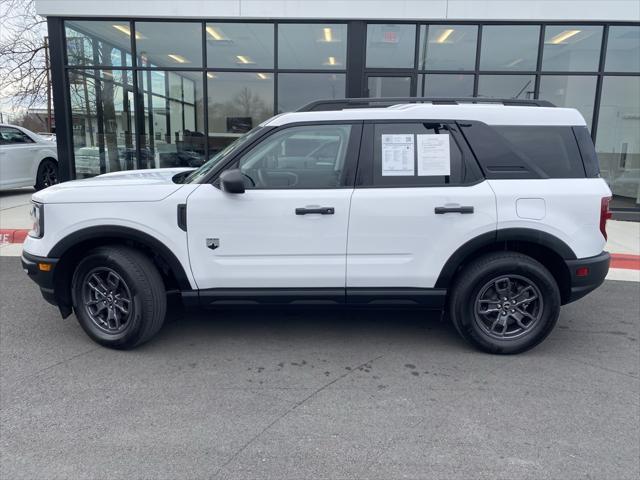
x=221, y=156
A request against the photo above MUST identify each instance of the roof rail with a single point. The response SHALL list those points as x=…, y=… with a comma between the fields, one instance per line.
x=341, y=103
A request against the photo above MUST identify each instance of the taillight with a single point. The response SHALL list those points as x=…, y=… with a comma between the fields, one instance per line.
x=605, y=215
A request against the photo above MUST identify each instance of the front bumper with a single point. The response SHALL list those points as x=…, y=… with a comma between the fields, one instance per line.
x=41, y=271
x=596, y=270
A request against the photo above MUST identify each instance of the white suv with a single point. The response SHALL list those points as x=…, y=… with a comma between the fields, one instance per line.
x=493, y=212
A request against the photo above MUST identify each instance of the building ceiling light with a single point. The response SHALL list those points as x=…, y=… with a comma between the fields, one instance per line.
x=216, y=34
x=332, y=61
x=263, y=76
x=562, y=36
x=211, y=75
x=327, y=35
x=244, y=60
x=442, y=38
x=177, y=58
x=126, y=30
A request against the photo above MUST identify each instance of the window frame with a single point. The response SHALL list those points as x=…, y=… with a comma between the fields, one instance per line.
x=470, y=171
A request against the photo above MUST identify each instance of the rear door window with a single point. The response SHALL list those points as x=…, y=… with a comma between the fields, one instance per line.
x=424, y=154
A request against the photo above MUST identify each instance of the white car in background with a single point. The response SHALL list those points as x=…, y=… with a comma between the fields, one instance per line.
x=26, y=159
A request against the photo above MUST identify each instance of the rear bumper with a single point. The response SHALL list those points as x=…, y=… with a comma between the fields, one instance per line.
x=597, y=268
x=31, y=264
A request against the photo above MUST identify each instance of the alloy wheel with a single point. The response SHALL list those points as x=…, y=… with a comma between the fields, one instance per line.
x=107, y=300
x=508, y=306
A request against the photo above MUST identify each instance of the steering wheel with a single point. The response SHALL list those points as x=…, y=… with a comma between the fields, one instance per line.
x=253, y=183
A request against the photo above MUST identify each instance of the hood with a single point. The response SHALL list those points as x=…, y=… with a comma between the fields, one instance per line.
x=127, y=186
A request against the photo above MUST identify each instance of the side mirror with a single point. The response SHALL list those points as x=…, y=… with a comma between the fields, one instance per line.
x=232, y=181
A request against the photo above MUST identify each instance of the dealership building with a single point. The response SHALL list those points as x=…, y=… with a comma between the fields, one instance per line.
x=162, y=83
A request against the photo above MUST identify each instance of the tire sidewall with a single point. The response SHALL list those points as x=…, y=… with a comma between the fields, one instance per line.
x=464, y=305
x=131, y=334
x=39, y=183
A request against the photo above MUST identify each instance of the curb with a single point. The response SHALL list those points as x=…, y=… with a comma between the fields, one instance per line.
x=13, y=235
x=618, y=260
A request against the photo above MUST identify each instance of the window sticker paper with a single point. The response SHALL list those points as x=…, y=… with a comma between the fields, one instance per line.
x=398, y=155
x=434, y=156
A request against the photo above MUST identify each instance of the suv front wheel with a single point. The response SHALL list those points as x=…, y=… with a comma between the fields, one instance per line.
x=118, y=296
x=504, y=302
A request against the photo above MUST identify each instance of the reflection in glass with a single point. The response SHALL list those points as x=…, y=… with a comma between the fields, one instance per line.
x=576, y=91
x=509, y=47
x=103, y=119
x=623, y=49
x=391, y=46
x=316, y=46
x=238, y=102
x=443, y=85
x=98, y=43
x=448, y=47
x=378, y=87
x=618, y=142
x=239, y=45
x=571, y=48
x=173, y=133
x=506, y=86
x=298, y=89
x=169, y=44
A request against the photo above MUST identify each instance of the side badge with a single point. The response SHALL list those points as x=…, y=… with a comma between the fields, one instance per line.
x=213, y=243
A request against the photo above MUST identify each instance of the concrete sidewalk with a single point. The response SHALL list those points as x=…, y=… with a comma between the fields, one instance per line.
x=624, y=237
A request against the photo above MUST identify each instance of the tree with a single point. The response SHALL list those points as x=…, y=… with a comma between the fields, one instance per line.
x=23, y=55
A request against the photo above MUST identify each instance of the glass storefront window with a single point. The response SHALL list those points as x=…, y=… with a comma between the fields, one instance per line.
x=98, y=43
x=388, y=87
x=298, y=89
x=391, y=46
x=623, y=49
x=239, y=45
x=169, y=44
x=576, y=91
x=506, y=86
x=103, y=121
x=509, y=47
x=448, y=47
x=319, y=46
x=617, y=141
x=571, y=48
x=445, y=85
x=173, y=133
x=238, y=102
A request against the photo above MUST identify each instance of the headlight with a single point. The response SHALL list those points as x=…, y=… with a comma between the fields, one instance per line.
x=37, y=217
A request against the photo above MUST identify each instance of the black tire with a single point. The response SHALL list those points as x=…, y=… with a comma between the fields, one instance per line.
x=47, y=174
x=123, y=271
x=474, y=301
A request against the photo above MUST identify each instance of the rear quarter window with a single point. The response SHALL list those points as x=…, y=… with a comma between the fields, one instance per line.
x=552, y=149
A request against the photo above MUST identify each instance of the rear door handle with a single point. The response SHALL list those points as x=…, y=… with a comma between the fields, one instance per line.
x=316, y=210
x=458, y=209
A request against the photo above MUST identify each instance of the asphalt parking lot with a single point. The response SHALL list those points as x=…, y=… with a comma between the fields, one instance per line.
x=321, y=395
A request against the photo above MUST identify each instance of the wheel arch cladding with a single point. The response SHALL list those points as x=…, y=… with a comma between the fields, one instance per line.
x=72, y=247
x=544, y=247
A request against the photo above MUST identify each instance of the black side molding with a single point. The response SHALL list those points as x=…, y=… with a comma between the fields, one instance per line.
x=182, y=216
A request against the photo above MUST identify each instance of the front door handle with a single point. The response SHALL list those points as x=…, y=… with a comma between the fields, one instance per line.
x=316, y=210
x=456, y=209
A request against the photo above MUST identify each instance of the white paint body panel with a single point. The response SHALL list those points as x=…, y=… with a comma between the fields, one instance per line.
x=263, y=243
x=19, y=162
x=572, y=209
x=396, y=239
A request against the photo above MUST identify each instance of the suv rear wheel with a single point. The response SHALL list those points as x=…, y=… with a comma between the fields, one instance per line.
x=504, y=302
x=118, y=297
